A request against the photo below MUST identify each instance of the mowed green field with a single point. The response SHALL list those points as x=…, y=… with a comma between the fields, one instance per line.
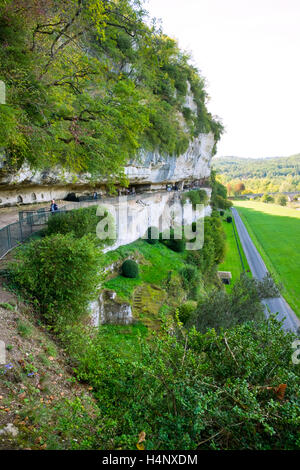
x=275, y=230
x=232, y=260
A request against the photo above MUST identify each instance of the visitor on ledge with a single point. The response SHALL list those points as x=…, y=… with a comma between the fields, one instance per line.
x=53, y=207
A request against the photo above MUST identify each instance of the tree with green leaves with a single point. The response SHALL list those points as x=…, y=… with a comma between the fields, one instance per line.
x=89, y=85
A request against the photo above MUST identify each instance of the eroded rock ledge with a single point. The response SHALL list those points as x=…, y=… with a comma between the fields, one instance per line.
x=150, y=171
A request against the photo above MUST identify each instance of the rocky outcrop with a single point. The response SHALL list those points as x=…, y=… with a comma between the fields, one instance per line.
x=151, y=170
x=107, y=309
x=154, y=169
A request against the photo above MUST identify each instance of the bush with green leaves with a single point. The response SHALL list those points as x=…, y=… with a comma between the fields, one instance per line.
x=169, y=239
x=152, y=235
x=130, y=269
x=222, y=203
x=267, y=198
x=221, y=213
x=222, y=309
x=60, y=273
x=281, y=199
x=229, y=219
x=177, y=245
x=186, y=310
x=191, y=279
x=195, y=391
x=195, y=196
x=80, y=222
x=214, y=247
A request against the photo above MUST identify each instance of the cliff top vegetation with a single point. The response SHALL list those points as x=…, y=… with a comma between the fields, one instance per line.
x=89, y=83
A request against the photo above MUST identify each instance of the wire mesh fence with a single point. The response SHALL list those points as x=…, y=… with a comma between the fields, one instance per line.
x=29, y=222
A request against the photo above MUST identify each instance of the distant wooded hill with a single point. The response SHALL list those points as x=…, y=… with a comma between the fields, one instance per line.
x=261, y=174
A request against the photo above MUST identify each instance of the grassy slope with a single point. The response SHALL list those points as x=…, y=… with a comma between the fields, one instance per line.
x=39, y=388
x=232, y=260
x=155, y=262
x=275, y=230
x=146, y=294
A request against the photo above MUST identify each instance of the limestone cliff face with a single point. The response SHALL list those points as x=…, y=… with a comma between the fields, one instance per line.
x=150, y=169
x=194, y=164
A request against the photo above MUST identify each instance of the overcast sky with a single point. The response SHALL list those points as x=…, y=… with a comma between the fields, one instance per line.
x=249, y=52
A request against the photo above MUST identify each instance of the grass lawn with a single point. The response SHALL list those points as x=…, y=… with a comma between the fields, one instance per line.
x=232, y=260
x=275, y=230
x=124, y=338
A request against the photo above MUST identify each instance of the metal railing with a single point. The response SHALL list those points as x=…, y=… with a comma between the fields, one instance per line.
x=29, y=222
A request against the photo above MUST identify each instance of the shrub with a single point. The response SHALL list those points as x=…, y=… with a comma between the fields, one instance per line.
x=221, y=309
x=190, y=277
x=281, y=200
x=130, y=269
x=222, y=203
x=229, y=219
x=198, y=196
x=221, y=213
x=200, y=391
x=186, y=310
x=60, y=272
x=80, y=222
x=174, y=244
x=177, y=245
x=153, y=235
x=267, y=198
x=213, y=250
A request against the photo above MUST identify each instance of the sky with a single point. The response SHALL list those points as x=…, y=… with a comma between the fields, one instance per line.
x=249, y=53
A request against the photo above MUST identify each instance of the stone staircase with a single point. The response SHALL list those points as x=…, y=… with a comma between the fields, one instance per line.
x=147, y=301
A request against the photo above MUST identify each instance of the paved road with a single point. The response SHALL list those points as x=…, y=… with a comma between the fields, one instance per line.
x=259, y=270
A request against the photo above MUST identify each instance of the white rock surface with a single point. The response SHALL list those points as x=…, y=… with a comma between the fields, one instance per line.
x=9, y=429
x=27, y=185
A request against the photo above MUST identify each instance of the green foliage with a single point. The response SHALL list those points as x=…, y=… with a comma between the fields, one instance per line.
x=152, y=235
x=222, y=309
x=212, y=391
x=177, y=245
x=219, y=194
x=267, y=198
x=191, y=279
x=92, y=112
x=186, y=310
x=79, y=222
x=229, y=219
x=169, y=239
x=281, y=199
x=261, y=175
x=214, y=247
x=60, y=273
x=222, y=203
x=222, y=213
x=213, y=228
x=130, y=269
x=195, y=196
